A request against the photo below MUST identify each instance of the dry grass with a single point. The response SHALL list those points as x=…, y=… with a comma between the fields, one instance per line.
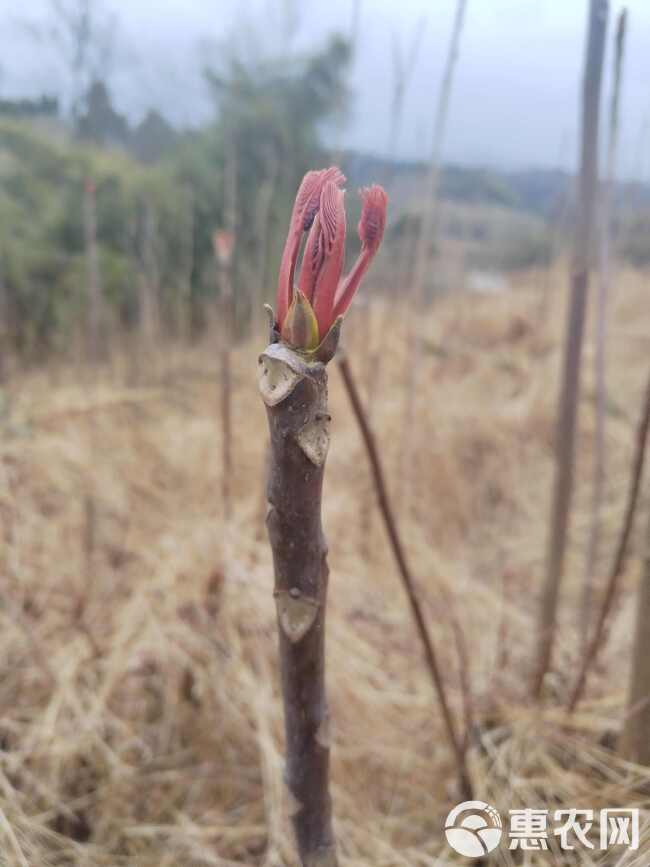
x=140, y=720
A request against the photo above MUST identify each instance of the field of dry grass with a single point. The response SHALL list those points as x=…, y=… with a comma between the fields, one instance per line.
x=140, y=719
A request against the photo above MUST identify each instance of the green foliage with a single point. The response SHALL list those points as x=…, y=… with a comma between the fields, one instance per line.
x=100, y=122
x=42, y=249
x=477, y=185
x=44, y=106
x=159, y=219
x=153, y=138
x=511, y=245
x=543, y=193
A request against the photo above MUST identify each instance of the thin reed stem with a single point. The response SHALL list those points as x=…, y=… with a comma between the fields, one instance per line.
x=604, y=280
x=565, y=434
x=408, y=582
x=599, y=636
x=425, y=239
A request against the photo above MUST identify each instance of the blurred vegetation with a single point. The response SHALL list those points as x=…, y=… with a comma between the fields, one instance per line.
x=268, y=114
x=634, y=239
x=42, y=247
x=493, y=238
x=513, y=246
x=161, y=193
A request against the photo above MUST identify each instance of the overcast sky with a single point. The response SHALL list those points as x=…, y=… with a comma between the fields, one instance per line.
x=515, y=95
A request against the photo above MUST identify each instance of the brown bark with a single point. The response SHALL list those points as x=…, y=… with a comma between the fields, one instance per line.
x=635, y=743
x=570, y=388
x=295, y=394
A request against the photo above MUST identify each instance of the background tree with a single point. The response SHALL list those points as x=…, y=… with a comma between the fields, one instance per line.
x=83, y=33
x=153, y=138
x=98, y=121
x=273, y=110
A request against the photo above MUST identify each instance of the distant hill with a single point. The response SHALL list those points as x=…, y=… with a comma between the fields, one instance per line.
x=543, y=192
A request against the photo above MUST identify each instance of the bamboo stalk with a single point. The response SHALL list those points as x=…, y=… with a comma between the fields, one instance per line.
x=599, y=636
x=604, y=280
x=408, y=583
x=570, y=386
x=295, y=394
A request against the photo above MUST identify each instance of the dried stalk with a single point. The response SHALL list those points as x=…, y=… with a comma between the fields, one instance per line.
x=599, y=636
x=569, y=391
x=372, y=375
x=227, y=323
x=225, y=328
x=149, y=280
x=426, y=237
x=4, y=329
x=429, y=216
x=94, y=348
x=187, y=268
x=403, y=70
x=263, y=222
x=402, y=76
x=635, y=742
x=355, y=24
x=295, y=394
x=502, y=666
x=407, y=579
x=555, y=234
x=593, y=544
